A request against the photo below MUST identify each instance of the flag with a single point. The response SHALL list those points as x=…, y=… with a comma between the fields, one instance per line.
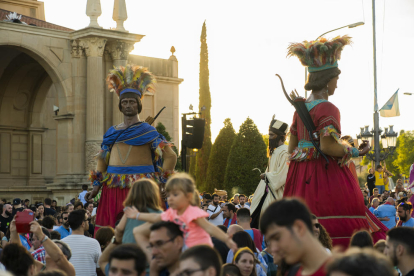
x=391, y=108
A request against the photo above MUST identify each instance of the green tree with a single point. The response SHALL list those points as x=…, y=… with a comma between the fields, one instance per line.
x=204, y=103
x=404, y=156
x=266, y=139
x=218, y=157
x=247, y=152
x=163, y=131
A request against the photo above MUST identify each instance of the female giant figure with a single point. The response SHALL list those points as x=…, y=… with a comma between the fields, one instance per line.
x=331, y=192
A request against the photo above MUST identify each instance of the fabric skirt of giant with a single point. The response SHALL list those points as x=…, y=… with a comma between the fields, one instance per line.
x=110, y=208
x=332, y=194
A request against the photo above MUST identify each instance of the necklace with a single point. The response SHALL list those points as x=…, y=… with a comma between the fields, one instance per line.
x=123, y=161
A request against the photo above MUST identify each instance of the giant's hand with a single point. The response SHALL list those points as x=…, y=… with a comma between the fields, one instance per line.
x=91, y=195
x=364, y=148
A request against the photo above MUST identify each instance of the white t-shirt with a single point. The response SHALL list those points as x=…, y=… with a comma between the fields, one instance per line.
x=211, y=210
x=81, y=197
x=238, y=206
x=85, y=254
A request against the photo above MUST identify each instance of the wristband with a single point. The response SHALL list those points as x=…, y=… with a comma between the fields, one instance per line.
x=96, y=183
x=137, y=216
x=44, y=239
x=355, y=152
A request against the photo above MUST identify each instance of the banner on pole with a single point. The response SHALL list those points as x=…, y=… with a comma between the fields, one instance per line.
x=391, y=108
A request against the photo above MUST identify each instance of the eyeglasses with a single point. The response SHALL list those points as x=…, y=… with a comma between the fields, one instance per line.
x=317, y=225
x=189, y=272
x=159, y=244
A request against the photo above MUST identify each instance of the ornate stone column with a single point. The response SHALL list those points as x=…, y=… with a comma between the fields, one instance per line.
x=120, y=14
x=94, y=49
x=119, y=51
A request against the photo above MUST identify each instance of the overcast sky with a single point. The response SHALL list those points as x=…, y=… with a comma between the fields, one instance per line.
x=247, y=43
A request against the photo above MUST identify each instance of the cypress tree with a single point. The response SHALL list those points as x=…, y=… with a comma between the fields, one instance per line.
x=204, y=101
x=163, y=131
x=218, y=157
x=247, y=152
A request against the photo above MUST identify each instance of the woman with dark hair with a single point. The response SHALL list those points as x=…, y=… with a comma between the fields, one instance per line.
x=245, y=260
x=318, y=170
x=40, y=212
x=243, y=239
x=361, y=239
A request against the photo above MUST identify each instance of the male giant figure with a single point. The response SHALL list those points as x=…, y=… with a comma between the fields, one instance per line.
x=276, y=172
x=131, y=150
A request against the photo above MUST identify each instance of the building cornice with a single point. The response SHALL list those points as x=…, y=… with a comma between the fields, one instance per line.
x=111, y=35
x=168, y=79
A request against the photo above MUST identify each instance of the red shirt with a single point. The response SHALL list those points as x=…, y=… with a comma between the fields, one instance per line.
x=319, y=272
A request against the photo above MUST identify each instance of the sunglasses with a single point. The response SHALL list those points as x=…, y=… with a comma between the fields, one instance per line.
x=65, y=218
x=317, y=225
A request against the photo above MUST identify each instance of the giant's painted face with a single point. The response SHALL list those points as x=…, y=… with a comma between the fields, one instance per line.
x=129, y=107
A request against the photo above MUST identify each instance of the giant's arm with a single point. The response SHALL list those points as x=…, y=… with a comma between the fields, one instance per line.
x=97, y=175
x=332, y=145
x=170, y=158
x=293, y=143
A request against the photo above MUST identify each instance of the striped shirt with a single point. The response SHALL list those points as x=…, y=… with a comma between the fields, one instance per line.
x=85, y=254
x=40, y=255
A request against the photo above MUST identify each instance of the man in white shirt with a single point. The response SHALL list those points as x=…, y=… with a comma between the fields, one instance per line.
x=242, y=204
x=215, y=211
x=85, y=251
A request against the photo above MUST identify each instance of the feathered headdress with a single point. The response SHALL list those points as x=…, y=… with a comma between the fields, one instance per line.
x=135, y=79
x=320, y=54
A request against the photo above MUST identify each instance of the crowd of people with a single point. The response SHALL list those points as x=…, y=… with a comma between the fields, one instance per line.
x=307, y=217
x=205, y=234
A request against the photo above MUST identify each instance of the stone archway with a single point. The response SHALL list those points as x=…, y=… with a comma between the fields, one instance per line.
x=29, y=133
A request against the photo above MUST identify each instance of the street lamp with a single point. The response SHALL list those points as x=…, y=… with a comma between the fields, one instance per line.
x=388, y=139
x=349, y=26
x=365, y=134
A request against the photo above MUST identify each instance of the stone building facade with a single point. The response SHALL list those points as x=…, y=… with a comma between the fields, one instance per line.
x=49, y=154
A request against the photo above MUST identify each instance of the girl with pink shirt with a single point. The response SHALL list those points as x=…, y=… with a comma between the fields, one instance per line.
x=183, y=210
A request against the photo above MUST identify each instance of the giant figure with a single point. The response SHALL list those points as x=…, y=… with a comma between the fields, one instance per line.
x=273, y=180
x=131, y=150
x=322, y=178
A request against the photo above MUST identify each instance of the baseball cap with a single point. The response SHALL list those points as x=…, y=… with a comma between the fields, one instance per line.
x=17, y=201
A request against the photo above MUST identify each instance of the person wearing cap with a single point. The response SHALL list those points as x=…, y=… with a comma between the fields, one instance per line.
x=17, y=206
x=131, y=150
x=273, y=180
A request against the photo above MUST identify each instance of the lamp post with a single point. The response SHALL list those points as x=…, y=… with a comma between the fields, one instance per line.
x=389, y=143
x=349, y=26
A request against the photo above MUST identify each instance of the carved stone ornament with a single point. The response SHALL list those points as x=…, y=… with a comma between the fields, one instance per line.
x=92, y=148
x=94, y=46
x=120, y=50
x=77, y=49
x=93, y=10
x=120, y=14
x=21, y=99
